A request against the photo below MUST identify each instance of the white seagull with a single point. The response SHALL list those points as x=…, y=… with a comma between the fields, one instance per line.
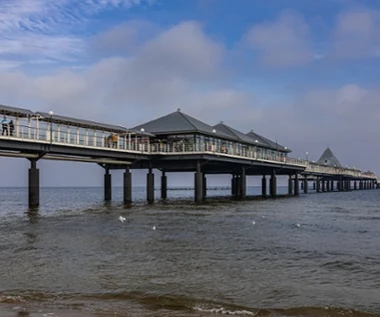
x=122, y=219
x=154, y=228
x=253, y=222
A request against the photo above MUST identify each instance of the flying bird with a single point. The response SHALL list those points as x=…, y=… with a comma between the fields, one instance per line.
x=122, y=219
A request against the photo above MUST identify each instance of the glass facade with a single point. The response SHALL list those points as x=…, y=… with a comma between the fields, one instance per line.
x=201, y=143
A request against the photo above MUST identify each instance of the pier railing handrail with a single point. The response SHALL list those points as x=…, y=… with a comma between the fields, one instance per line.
x=127, y=142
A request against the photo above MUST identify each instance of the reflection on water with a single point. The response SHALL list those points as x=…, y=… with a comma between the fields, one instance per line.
x=316, y=255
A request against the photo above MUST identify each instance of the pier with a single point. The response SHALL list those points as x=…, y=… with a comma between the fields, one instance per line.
x=176, y=142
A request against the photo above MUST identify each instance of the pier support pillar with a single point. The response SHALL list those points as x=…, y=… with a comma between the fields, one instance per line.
x=296, y=185
x=150, y=186
x=198, y=184
x=355, y=185
x=204, y=185
x=273, y=184
x=237, y=185
x=305, y=185
x=164, y=186
x=332, y=186
x=302, y=185
x=127, y=186
x=290, y=185
x=233, y=185
x=264, y=186
x=340, y=185
x=314, y=185
x=34, y=184
x=243, y=184
x=327, y=186
x=107, y=185
x=323, y=185
x=318, y=183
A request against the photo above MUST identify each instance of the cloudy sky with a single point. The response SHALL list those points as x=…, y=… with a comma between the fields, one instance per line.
x=303, y=72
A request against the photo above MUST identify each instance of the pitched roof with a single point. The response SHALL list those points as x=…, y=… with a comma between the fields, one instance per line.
x=269, y=143
x=328, y=158
x=13, y=111
x=239, y=136
x=179, y=122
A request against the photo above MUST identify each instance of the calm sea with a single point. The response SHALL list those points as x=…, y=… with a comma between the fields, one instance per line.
x=315, y=255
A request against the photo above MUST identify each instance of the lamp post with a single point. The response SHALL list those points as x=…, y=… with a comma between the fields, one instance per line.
x=307, y=156
x=51, y=113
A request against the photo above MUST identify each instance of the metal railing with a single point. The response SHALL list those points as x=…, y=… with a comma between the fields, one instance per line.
x=74, y=136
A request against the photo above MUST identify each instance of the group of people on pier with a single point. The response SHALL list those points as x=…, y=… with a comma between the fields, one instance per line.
x=111, y=141
x=8, y=127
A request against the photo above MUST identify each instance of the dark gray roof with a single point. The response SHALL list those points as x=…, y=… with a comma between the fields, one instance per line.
x=88, y=124
x=269, y=143
x=179, y=122
x=13, y=111
x=239, y=136
x=328, y=158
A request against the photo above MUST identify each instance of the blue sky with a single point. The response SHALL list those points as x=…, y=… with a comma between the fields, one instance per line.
x=301, y=71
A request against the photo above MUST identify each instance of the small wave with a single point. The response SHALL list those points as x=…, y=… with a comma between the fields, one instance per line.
x=224, y=311
x=11, y=299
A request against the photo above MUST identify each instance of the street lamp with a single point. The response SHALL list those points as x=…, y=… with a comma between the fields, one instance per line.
x=51, y=113
x=307, y=156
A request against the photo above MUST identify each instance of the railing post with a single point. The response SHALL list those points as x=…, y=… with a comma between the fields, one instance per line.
x=17, y=127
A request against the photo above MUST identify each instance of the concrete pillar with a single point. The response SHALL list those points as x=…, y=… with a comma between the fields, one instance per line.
x=327, y=186
x=296, y=185
x=34, y=184
x=150, y=186
x=332, y=186
x=107, y=185
x=264, y=186
x=349, y=185
x=302, y=185
x=305, y=185
x=323, y=185
x=355, y=185
x=233, y=185
x=238, y=185
x=164, y=186
x=360, y=185
x=127, y=186
x=290, y=185
x=314, y=185
x=318, y=183
x=243, y=184
x=204, y=185
x=273, y=184
x=198, y=184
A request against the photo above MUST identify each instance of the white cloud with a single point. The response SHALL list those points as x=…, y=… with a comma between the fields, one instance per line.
x=175, y=69
x=284, y=42
x=356, y=34
x=43, y=29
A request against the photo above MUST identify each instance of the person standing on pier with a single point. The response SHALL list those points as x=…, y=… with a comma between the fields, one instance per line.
x=5, y=125
x=11, y=127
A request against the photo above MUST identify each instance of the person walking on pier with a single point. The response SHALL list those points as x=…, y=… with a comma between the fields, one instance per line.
x=11, y=127
x=4, y=122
